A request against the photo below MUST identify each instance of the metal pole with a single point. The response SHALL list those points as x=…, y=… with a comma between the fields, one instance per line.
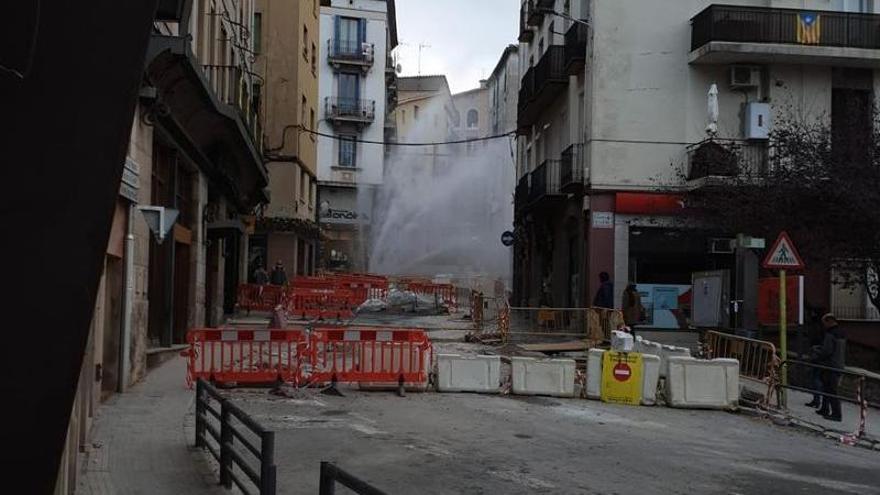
x=783, y=330
x=127, y=305
x=225, y=446
x=267, y=463
x=328, y=482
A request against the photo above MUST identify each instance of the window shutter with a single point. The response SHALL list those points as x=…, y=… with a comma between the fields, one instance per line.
x=336, y=34
x=362, y=30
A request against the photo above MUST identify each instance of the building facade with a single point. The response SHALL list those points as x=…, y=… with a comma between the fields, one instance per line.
x=286, y=47
x=503, y=88
x=356, y=79
x=612, y=114
x=208, y=175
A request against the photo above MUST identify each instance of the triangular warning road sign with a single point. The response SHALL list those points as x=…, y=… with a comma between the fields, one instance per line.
x=783, y=255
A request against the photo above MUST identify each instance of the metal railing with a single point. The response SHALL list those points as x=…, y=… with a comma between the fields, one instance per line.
x=768, y=25
x=540, y=84
x=332, y=474
x=229, y=84
x=534, y=15
x=757, y=358
x=866, y=312
x=576, y=47
x=221, y=435
x=349, y=109
x=545, y=180
x=354, y=51
x=857, y=385
x=572, y=167
x=720, y=158
x=551, y=68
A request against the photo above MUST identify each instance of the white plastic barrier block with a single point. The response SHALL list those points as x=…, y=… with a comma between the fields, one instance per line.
x=650, y=378
x=594, y=373
x=706, y=384
x=532, y=376
x=457, y=373
x=622, y=341
x=664, y=351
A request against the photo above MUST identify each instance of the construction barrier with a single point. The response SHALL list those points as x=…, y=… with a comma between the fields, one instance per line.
x=445, y=293
x=364, y=287
x=757, y=358
x=245, y=356
x=320, y=304
x=254, y=297
x=369, y=356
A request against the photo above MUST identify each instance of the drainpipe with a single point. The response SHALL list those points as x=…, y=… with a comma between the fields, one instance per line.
x=127, y=305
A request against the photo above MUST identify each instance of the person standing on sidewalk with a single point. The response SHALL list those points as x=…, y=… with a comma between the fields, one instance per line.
x=833, y=355
x=633, y=311
x=279, y=276
x=605, y=295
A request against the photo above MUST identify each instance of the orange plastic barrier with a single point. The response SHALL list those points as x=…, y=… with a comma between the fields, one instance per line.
x=364, y=287
x=320, y=304
x=444, y=292
x=369, y=356
x=253, y=297
x=245, y=356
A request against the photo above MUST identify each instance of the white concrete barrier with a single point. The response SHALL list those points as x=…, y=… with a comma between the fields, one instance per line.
x=594, y=373
x=707, y=384
x=456, y=373
x=532, y=376
x=650, y=378
x=664, y=351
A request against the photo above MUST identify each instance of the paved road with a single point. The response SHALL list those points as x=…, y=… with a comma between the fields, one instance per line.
x=461, y=443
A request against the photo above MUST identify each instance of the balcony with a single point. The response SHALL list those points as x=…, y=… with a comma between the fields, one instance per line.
x=230, y=87
x=715, y=162
x=545, y=182
x=575, y=48
x=526, y=34
x=572, y=169
x=521, y=193
x=540, y=85
x=350, y=110
x=535, y=13
x=723, y=34
x=348, y=53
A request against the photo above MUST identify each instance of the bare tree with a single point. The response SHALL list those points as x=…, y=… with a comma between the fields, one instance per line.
x=821, y=183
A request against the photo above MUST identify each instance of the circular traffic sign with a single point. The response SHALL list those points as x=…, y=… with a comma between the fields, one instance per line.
x=622, y=372
x=507, y=238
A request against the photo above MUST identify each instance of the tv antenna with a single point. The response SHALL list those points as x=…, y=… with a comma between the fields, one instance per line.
x=421, y=45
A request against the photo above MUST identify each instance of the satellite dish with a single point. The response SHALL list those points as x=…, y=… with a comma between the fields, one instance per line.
x=399, y=68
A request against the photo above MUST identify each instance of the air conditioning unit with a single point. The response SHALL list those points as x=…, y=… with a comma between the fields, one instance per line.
x=367, y=49
x=745, y=76
x=722, y=246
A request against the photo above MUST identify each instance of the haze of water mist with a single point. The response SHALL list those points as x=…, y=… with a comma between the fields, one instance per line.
x=442, y=209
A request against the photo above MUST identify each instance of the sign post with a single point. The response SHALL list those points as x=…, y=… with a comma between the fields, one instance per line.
x=783, y=256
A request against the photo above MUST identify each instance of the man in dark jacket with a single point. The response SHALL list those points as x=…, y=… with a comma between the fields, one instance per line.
x=605, y=295
x=278, y=277
x=831, y=354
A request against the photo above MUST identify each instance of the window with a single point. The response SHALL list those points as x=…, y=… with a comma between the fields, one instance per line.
x=314, y=59
x=473, y=118
x=347, y=151
x=304, y=186
x=349, y=92
x=306, y=43
x=302, y=110
x=258, y=32
x=350, y=33
x=416, y=112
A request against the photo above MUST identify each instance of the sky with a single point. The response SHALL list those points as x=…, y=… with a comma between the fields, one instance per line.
x=465, y=37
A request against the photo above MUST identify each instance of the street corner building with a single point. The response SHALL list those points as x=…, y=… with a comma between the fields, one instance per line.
x=357, y=93
x=612, y=129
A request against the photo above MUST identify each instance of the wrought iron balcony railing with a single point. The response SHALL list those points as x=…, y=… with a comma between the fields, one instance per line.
x=349, y=109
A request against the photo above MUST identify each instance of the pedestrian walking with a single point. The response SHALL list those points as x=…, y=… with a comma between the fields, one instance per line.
x=816, y=336
x=605, y=295
x=633, y=311
x=278, y=277
x=261, y=277
x=833, y=355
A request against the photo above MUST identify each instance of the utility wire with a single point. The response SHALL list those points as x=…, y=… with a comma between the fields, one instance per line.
x=392, y=143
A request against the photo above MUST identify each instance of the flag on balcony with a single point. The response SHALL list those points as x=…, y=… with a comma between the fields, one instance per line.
x=809, y=28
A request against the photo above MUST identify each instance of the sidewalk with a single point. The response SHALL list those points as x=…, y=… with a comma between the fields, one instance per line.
x=850, y=423
x=142, y=441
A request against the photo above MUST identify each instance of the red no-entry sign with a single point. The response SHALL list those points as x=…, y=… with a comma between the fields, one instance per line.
x=622, y=372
